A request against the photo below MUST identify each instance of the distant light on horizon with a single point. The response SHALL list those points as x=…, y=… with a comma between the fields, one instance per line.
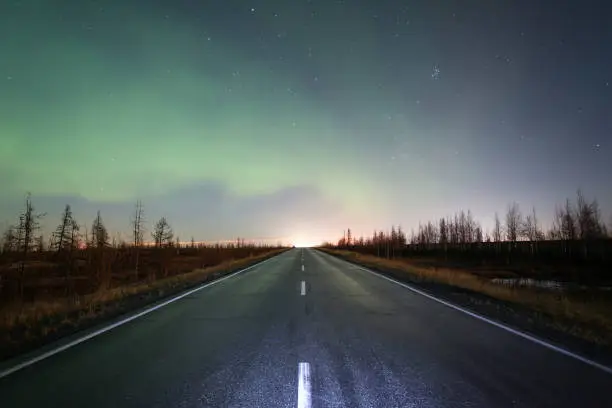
x=305, y=243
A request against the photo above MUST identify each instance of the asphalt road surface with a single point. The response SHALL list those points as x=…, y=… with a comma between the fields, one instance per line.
x=306, y=329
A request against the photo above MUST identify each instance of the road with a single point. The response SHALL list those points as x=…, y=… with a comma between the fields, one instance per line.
x=248, y=340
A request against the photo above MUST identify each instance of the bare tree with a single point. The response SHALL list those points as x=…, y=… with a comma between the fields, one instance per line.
x=590, y=226
x=401, y=238
x=62, y=237
x=530, y=230
x=470, y=227
x=569, y=227
x=138, y=230
x=513, y=222
x=527, y=228
x=432, y=233
x=163, y=237
x=443, y=230
x=100, y=241
x=497, y=229
x=463, y=229
x=99, y=233
x=74, y=235
x=453, y=228
x=478, y=234
x=537, y=232
x=28, y=225
x=393, y=241
x=162, y=234
x=589, y=218
x=564, y=225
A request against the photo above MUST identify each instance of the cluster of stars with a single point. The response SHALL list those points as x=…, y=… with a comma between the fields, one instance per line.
x=436, y=72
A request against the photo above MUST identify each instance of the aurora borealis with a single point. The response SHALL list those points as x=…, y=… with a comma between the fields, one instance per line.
x=293, y=120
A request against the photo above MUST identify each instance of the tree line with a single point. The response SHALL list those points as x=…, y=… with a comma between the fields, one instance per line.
x=577, y=233
x=89, y=250
x=24, y=235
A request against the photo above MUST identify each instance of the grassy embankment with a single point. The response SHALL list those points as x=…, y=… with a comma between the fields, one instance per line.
x=27, y=325
x=585, y=314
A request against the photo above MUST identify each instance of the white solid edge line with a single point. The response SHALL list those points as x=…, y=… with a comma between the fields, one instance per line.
x=73, y=343
x=303, y=289
x=497, y=324
x=303, y=385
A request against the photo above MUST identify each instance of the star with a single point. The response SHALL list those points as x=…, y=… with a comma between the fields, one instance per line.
x=436, y=72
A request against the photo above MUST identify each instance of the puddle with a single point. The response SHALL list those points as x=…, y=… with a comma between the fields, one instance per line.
x=532, y=283
x=550, y=285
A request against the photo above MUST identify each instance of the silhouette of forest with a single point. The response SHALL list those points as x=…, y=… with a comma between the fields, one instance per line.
x=576, y=246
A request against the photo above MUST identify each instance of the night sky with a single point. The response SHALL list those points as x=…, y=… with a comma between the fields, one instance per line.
x=293, y=120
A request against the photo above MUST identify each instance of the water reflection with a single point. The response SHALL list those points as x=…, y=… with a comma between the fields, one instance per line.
x=550, y=285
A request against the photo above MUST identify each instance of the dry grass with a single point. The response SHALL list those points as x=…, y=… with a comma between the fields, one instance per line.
x=22, y=323
x=588, y=317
